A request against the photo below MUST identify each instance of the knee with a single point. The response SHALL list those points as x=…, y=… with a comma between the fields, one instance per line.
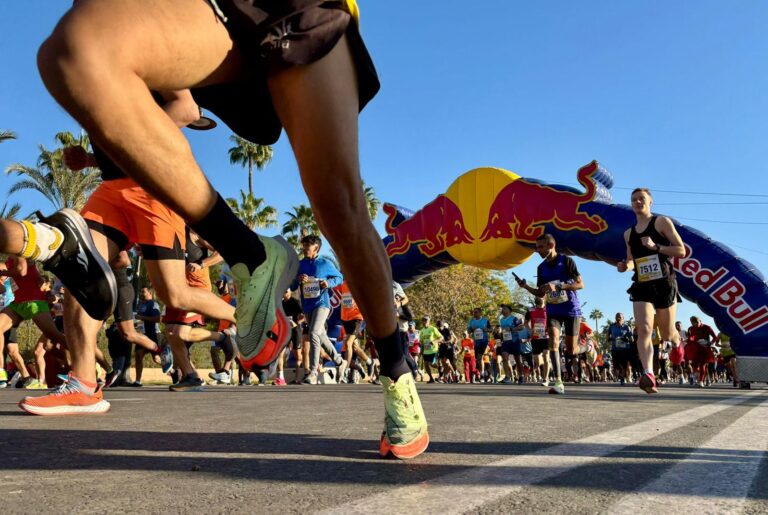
x=177, y=296
x=40, y=351
x=340, y=211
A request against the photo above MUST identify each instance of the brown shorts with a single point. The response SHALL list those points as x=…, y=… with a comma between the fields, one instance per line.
x=128, y=215
x=272, y=36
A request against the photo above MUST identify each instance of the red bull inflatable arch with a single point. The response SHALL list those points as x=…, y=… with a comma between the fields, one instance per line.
x=491, y=218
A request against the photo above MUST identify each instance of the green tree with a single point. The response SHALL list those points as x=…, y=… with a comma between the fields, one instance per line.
x=452, y=293
x=6, y=135
x=301, y=222
x=596, y=315
x=10, y=213
x=248, y=154
x=52, y=179
x=252, y=211
x=373, y=203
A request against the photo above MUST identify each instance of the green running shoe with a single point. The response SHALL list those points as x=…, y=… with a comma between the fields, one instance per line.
x=263, y=329
x=405, y=433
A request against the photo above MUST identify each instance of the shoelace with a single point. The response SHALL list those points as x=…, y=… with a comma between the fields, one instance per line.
x=65, y=388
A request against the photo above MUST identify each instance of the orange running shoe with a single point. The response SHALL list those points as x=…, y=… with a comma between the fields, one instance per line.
x=67, y=399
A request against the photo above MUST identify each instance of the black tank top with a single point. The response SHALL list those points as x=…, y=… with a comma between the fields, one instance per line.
x=640, y=251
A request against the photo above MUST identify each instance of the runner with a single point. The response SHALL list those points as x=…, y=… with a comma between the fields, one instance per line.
x=294, y=63
x=558, y=280
x=536, y=322
x=510, y=343
x=352, y=320
x=620, y=336
x=430, y=339
x=701, y=339
x=470, y=365
x=316, y=276
x=479, y=328
x=650, y=243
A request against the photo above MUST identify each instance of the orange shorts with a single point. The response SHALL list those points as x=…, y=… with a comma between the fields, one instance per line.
x=181, y=317
x=128, y=215
x=199, y=279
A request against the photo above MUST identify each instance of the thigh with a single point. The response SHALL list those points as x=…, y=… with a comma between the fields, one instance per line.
x=166, y=275
x=170, y=44
x=8, y=319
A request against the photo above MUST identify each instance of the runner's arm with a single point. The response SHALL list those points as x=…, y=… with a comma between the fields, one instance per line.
x=180, y=107
x=628, y=263
x=667, y=229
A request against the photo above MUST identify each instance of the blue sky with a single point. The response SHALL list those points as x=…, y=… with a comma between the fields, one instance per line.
x=668, y=95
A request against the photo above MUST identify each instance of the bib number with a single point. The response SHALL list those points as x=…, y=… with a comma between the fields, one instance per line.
x=311, y=289
x=506, y=334
x=622, y=344
x=557, y=297
x=347, y=302
x=648, y=268
x=539, y=331
x=478, y=334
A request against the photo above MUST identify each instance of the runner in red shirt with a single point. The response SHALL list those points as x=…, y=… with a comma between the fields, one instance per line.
x=699, y=349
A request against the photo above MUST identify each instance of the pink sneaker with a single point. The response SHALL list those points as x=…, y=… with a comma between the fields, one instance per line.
x=280, y=382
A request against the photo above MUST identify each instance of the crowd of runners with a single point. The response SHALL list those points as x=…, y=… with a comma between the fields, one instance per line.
x=298, y=65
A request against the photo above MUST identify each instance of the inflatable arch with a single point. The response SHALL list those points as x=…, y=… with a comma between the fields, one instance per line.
x=491, y=218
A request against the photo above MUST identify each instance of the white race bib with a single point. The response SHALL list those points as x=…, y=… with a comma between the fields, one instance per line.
x=539, y=331
x=347, y=302
x=621, y=343
x=557, y=297
x=478, y=334
x=703, y=342
x=648, y=268
x=311, y=289
x=506, y=334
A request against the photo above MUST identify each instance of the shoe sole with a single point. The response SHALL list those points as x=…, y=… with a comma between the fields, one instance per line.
x=555, y=392
x=98, y=408
x=270, y=349
x=648, y=387
x=404, y=452
x=81, y=228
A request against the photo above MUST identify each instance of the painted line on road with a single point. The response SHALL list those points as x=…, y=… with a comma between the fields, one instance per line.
x=719, y=484
x=488, y=483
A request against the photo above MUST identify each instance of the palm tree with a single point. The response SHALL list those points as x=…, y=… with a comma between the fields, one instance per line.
x=301, y=222
x=7, y=213
x=245, y=153
x=252, y=212
x=371, y=201
x=596, y=315
x=51, y=178
x=6, y=135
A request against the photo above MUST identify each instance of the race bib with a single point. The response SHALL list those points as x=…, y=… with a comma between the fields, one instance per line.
x=648, y=268
x=311, y=289
x=478, y=334
x=347, y=302
x=703, y=342
x=539, y=330
x=557, y=297
x=621, y=343
x=506, y=334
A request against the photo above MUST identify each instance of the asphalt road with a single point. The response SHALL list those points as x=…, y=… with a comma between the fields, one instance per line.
x=307, y=449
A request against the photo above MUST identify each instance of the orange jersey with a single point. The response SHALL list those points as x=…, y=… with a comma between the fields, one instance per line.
x=349, y=309
x=468, y=346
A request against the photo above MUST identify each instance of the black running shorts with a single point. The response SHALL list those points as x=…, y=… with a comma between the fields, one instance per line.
x=661, y=293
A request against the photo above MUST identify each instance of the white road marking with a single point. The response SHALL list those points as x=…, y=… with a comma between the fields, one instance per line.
x=701, y=486
x=482, y=485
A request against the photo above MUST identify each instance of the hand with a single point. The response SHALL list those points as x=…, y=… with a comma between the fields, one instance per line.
x=303, y=278
x=547, y=288
x=75, y=157
x=323, y=283
x=621, y=266
x=648, y=242
x=521, y=283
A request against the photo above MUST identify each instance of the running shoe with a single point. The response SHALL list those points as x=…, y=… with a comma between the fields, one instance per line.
x=558, y=389
x=343, y=367
x=189, y=383
x=112, y=378
x=545, y=383
x=263, y=329
x=520, y=380
x=280, y=382
x=34, y=384
x=507, y=380
x=310, y=378
x=67, y=399
x=79, y=265
x=166, y=358
x=222, y=377
x=405, y=434
x=647, y=383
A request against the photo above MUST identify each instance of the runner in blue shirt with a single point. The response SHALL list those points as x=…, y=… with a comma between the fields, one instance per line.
x=479, y=328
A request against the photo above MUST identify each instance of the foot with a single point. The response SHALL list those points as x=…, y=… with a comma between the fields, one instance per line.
x=135, y=384
x=80, y=266
x=35, y=385
x=263, y=329
x=405, y=433
x=67, y=399
x=545, y=383
x=166, y=358
x=507, y=380
x=558, y=389
x=311, y=378
x=222, y=377
x=647, y=383
x=189, y=383
x=342, y=366
x=280, y=382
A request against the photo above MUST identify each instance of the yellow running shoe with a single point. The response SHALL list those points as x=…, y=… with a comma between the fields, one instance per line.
x=263, y=328
x=405, y=433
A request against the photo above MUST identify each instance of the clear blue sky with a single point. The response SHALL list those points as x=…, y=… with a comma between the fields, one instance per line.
x=668, y=95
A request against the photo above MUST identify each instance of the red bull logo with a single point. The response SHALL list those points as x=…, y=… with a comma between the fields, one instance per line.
x=522, y=209
x=434, y=228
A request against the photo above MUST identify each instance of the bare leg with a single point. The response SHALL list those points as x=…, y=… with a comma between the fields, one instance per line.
x=15, y=356
x=40, y=358
x=644, y=314
x=130, y=335
x=176, y=335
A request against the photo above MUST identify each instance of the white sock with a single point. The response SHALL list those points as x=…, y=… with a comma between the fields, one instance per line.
x=280, y=375
x=41, y=241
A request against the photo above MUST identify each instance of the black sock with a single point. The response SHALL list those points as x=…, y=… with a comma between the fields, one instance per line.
x=230, y=236
x=391, y=357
